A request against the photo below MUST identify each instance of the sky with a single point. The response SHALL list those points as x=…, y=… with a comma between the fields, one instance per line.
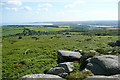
x=20, y=11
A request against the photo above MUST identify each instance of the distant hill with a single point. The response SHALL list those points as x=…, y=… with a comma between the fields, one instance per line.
x=99, y=22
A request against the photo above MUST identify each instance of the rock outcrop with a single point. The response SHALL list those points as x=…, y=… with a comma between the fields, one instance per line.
x=68, y=56
x=67, y=66
x=40, y=77
x=104, y=65
x=101, y=77
x=55, y=70
x=88, y=52
x=61, y=69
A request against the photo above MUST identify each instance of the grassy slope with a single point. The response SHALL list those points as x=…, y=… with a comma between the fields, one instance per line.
x=43, y=53
x=47, y=29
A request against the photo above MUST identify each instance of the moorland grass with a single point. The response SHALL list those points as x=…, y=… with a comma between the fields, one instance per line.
x=43, y=51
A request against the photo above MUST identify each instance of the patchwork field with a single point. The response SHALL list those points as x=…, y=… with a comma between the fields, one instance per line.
x=46, y=29
x=11, y=30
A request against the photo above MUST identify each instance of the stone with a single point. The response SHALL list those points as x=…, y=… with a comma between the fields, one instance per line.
x=68, y=56
x=103, y=65
x=55, y=70
x=40, y=77
x=63, y=75
x=61, y=69
x=80, y=51
x=26, y=52
x=67, y=66
x=88, y=52
x=101, y=77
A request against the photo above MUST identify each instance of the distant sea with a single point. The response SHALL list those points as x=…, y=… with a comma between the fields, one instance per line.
x=3, y=24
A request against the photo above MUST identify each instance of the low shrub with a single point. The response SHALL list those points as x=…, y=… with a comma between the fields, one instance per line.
x=102, y=51
x=76, y=66
x=79, y=75
x=112, y=44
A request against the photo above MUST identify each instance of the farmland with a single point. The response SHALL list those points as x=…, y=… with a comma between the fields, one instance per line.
x=11, y=30
x=46, y=29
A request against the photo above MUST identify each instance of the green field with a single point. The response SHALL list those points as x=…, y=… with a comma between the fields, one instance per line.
x=6, y=31
x=46, y=29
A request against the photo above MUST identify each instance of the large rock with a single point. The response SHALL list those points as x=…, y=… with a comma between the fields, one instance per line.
x=99, y=77
x=104, y=65
x=67, y=66
x=61, y=69
x=68, y=56
x=55, y=70
x=40, y=77
x=89, y=53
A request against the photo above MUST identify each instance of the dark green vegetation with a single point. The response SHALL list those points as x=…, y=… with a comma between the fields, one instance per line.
x=43, y=48
x=77, y=74
x=103, y=33
x=85, y=27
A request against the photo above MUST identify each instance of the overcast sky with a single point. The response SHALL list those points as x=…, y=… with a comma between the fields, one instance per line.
x=14, y=11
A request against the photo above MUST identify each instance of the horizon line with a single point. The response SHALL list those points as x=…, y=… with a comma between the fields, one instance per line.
x=55, y=21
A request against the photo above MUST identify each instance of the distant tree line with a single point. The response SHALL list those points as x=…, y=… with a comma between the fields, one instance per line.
x=83, y=31
x=32, y=32
x=102, y=33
